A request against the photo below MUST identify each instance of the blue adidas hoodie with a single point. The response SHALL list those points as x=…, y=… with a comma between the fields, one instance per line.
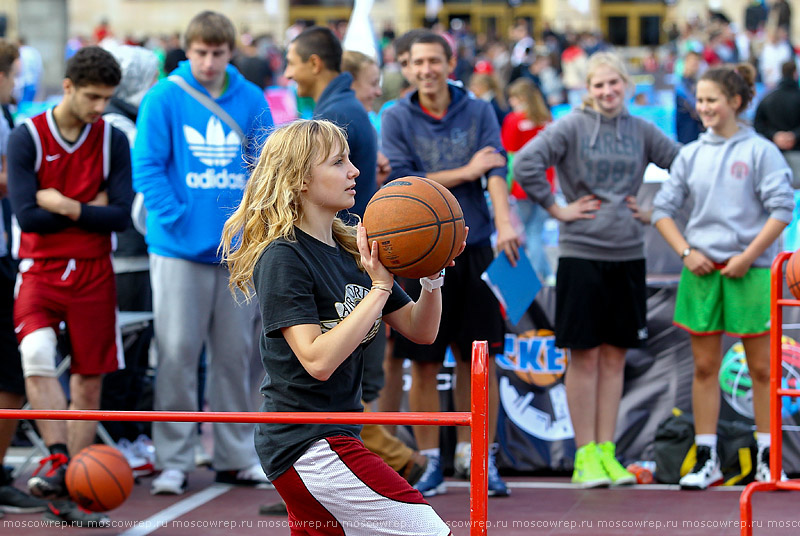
x=190, y=166
x=417, y=144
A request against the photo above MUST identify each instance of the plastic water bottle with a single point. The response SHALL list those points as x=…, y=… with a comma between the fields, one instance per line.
x=644, y=471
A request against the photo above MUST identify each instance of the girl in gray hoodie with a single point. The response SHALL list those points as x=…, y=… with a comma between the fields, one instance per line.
x=740, y=188
x=600, y=153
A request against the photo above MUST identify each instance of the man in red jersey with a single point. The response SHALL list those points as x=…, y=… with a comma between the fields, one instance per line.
x=69, y=181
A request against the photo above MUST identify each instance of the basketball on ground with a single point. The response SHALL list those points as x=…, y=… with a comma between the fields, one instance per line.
x=793, y=274
x=99, y=478
x=418, y=224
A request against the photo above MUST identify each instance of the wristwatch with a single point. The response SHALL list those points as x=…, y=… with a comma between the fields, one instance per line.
x=431, y=284
x=685, y=252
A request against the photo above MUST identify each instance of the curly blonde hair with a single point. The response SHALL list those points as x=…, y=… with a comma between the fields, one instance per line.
x=271, y=204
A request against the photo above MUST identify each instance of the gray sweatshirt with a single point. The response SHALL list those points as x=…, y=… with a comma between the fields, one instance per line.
x=735, y=185
x=594, y=154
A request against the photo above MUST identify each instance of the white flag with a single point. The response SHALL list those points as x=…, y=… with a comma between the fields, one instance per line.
x=581, y=6
x=360, y=36
x=432, y=8
x=271, y=7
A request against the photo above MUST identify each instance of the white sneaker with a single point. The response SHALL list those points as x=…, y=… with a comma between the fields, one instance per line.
x=706, y=470
x=126, y=448
x=249, y=476
x=254, y=473
x=201, y=457
x=141, y=466
x=462, y=461
x=762, y=467
x=143, y=446
x=169, y=482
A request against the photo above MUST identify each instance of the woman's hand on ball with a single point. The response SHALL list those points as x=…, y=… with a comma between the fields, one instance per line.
x=460, y=251
x=371, y=261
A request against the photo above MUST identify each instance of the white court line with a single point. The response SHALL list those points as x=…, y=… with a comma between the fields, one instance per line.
x=162, y=518
x=18, y=459
x=568, y=485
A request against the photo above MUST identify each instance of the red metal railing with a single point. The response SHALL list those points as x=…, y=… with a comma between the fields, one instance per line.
x=477, y=419
x=777, y=303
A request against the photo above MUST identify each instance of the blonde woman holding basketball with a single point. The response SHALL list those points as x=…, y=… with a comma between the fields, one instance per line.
x=740, y=189
x=600, y=153
x=322, y=292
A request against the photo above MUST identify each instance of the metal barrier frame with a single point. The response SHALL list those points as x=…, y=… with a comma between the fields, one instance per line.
x=477, y=419
x=777, y=302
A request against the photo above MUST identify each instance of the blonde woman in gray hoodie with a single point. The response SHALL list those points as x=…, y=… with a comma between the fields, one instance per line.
x=600, y=153
x=740, y=188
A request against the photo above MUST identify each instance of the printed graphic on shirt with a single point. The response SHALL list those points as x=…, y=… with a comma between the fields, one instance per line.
x=215, y=149
x=740, y=170
x=610, y=159
x=447, y=152
x=353, y=294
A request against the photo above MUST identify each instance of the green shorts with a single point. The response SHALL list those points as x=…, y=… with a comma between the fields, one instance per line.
x=712, y=304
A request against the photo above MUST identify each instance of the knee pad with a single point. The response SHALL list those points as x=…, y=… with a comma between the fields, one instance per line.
x=38, y=350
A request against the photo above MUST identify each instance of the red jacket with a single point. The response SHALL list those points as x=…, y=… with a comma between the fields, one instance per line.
x=516, y=132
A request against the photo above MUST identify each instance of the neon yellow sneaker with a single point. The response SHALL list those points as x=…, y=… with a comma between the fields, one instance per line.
x=589, y=471
x=616, y=472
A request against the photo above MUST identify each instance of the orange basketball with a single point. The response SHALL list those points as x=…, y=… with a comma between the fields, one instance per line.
x=99, y=478
x=793, y=274
x=418, y=224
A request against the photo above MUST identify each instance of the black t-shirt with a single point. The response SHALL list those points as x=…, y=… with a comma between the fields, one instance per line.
x=307, y=282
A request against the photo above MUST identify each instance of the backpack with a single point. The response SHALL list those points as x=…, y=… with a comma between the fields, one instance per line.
x=675, y=451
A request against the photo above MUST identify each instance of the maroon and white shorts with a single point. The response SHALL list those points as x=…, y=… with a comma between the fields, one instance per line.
x=80, y=292
x=339, y=487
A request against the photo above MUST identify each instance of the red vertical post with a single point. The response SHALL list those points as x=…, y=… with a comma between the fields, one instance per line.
x=776, y=369
x=479, y=433
x=746, y=511
x=775, y=374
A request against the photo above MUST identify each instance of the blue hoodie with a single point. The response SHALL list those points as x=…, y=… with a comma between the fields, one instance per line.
x=189, y=164
x=417, y=144
x=338, y=104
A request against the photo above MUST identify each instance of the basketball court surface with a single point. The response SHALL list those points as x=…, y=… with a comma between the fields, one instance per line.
x=547, y=506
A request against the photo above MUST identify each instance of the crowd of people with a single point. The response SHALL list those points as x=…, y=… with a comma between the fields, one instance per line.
x=253, y=252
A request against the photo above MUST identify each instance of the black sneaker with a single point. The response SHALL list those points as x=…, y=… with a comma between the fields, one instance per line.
x=252, y=476
x=15, y=501
x=68, y=513
x=6, y=478
x=51, y=484
x=706, y=470
x=763, y=473
x=273, y=509
x=415, y=467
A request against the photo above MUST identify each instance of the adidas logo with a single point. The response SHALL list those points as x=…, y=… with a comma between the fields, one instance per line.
x=211, y=178
x=215, y=149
